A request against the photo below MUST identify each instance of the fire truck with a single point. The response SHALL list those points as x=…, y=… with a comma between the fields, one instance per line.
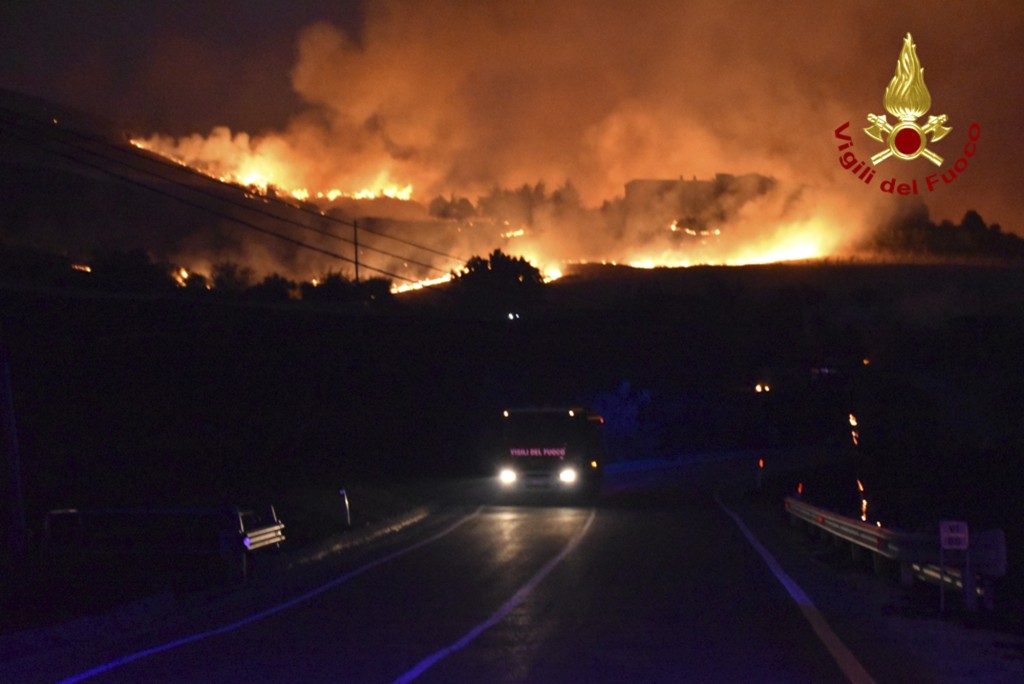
x=551, y=449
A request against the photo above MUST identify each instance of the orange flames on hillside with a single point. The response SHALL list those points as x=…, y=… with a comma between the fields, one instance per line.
x=264, y=171
x=761, y=228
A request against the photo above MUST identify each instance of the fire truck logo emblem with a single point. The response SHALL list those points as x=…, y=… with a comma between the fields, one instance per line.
x=907, y=99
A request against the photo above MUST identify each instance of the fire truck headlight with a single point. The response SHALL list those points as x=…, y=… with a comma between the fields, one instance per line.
x=507, y=476
x=568, y=475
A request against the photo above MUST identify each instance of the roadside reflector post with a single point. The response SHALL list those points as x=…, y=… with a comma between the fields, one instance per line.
x=348, y=512
x=954, y=536
x=970, y=585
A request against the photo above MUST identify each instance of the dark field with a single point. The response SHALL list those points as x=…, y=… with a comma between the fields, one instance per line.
x=198, y=400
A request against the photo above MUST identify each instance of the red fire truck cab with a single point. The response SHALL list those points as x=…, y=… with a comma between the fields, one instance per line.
x=552, y=449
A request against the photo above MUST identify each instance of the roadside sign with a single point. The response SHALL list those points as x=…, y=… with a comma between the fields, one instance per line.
x=953, y=535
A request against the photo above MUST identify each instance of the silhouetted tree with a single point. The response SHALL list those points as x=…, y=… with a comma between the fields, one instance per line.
x=334, y=287
x=499, y=280
x=231, y=278
x=197, y=281
x=515, y=207
x=451, y=208
x=914, y=233
x=273, y=288
x=566, y=198
x=375, y=290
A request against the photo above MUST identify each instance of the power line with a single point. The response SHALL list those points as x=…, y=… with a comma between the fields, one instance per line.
x=229, y=217
x=208, y=179
x=180, y=167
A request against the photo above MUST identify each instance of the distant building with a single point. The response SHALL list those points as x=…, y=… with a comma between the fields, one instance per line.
x=691, y=207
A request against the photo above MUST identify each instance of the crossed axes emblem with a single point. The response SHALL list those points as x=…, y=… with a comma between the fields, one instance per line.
x=906, y=139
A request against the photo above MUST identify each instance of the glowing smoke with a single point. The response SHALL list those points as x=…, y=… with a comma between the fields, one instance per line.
x=455, y=98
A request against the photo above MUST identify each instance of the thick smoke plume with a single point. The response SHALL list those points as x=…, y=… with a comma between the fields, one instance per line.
x=458, y=98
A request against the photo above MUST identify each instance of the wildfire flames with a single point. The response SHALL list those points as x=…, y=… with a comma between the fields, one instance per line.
x=260, y=170
x=374, y=111
x=758, y=232
x=411, y=112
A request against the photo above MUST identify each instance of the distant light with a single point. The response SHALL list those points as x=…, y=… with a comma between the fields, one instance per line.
x=568, y=476
x=507, y=476
x=572, y=414
x=866, y=362
x=593, y=464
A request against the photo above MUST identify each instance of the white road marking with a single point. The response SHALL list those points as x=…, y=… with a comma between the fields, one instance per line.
x=291, y=603
x=505, y=609
x=847, y=662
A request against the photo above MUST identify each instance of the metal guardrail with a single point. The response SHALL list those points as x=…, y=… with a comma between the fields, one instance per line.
x=260, y=537
x=918, y=555
x=173, y=534
x=898, y=546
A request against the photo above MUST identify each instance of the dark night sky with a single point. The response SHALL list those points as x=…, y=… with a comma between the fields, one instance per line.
x=174, y=67
x=455, y=96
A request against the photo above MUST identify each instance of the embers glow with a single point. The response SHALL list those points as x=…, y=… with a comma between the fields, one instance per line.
x=802, y=244
x=180, y=276
x=551, y=273
x=420, y=284
x=863, y=502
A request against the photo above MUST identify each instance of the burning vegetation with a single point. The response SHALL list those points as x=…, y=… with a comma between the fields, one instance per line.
x=202, y=233
x=468, y=128
x=444, y=131
x=728, y=219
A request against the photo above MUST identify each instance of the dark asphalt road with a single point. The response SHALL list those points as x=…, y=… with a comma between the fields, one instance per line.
x=655, y=583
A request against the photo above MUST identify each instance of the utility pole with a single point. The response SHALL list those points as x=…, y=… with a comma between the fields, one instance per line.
x=355, y=239
x=17, y=529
